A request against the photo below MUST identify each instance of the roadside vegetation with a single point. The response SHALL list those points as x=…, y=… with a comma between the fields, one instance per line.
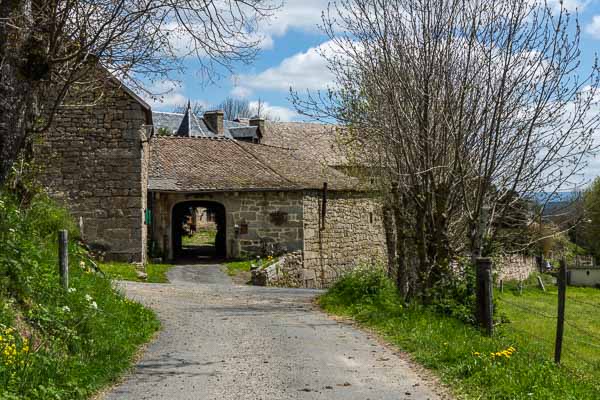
x=516, y=363
x=242, y=267
x=202, y=237
x=156, y=273
x=237, y=267
x=57, y=343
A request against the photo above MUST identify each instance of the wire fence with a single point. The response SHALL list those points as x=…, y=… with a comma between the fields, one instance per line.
x=536, y=317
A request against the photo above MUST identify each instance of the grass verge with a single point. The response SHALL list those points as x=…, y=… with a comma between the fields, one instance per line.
x=234, y=268
x=157, y=273
x=57, y=343
x=511, y=365
x=204, y=236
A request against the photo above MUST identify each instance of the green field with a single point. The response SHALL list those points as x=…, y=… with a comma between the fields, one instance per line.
x=202, y=237
x=532, y=318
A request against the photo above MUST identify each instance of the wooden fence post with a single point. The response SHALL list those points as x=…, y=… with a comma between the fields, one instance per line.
x=63, y=258
x=560, y=318
x=485, y=304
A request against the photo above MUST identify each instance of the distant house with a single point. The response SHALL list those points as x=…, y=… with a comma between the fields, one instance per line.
x=210, y=125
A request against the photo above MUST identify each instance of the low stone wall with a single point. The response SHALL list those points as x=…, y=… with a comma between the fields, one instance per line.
x=515, y=267
x=93, y=161
x=286, y=272
x=352, y=234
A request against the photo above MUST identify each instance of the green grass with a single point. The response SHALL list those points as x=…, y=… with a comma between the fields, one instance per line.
x=236, y=267
x=59, y=344
x=157, y=273
x=202, y=237
x=461, y=355
x=532, y=319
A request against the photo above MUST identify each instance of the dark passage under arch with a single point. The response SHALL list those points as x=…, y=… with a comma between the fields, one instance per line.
x=199, y=230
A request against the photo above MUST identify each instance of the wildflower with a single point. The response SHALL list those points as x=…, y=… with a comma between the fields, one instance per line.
x=66, y=309
x=94, y=305
x=82, y=264
x=88, y=297
x=71, y=290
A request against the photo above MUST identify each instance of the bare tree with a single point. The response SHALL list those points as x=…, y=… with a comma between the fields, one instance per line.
x=197, y=108
x=47, y=46
x=235, y=108
x=242, y=108
x=464, y=108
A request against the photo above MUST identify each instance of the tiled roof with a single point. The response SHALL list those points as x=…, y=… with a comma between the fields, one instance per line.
x=204, y=164
x=313, y=141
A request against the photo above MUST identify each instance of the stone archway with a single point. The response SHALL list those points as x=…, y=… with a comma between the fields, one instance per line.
x=184, y=223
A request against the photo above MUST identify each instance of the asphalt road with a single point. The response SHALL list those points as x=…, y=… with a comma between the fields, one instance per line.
x=227, y=342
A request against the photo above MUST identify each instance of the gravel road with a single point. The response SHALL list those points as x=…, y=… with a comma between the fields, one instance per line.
x=222, y=341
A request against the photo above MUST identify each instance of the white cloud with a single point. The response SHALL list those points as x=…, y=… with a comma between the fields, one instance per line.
x=275, y=112
x=295, y=14
x=593, y=28
x=569, y=5
x=306, y=70
x=183, y=44
x=166, y=95
x=240, y=92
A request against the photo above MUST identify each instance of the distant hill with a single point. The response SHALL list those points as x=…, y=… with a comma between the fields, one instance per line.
x=557, y=203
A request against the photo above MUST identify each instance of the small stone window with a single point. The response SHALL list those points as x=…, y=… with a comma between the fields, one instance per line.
x=370, y=217
x=244, y=228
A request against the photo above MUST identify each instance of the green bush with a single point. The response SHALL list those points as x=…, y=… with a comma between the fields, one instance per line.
x=456, y=297
x=366, y=290
x=58, y=344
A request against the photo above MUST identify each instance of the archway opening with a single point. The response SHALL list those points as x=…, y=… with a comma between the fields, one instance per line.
x=199, y=230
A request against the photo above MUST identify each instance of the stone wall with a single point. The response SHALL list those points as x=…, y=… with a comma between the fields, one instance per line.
x=273, y=220
x=515, y=267
x=352, y=235
x=93, y=160
x=289, y=222
x=286, y=272
x=255, y=221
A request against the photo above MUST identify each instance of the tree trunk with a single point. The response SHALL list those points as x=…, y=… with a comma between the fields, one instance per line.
x=399, y=209
x=18, y=93
x=390, y=240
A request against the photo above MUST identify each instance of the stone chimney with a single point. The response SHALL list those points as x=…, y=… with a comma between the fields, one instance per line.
x=214, y=120
x=260, y=123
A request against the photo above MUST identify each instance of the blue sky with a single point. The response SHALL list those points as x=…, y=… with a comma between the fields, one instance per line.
x=288, y=57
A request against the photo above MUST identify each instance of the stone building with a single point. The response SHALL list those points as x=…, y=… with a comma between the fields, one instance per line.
x=272, y=187
x=94, y=161
x=267, y=199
